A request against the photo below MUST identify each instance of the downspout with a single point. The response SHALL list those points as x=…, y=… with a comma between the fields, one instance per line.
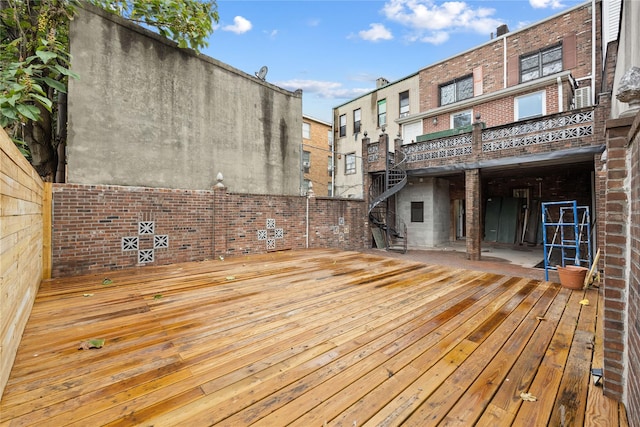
x=593, y=52
x=504, y=62
x=560, y=95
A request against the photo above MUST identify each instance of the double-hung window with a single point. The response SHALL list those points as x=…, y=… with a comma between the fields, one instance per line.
x=350, y=163
x=356, y=120
x=457, y=90
x=343, y=125
x=306, y=161
x=540, y=64
x=404, y=104
x=382, y=113
x=306, y=130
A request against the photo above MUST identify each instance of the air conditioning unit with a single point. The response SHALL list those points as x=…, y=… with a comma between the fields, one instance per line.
x=305, y=165
x=582, y=97
x=330, y=168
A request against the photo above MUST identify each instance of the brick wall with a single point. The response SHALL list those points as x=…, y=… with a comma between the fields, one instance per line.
x=100, y=228
x=487, y=62
x=616, y=255
x=318, y=147
x=90, y=222
x=633, y=323
x=249, y=223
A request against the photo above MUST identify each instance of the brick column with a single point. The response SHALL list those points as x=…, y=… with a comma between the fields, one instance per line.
x=473, y=200
x=473, y=196
x=616, y=257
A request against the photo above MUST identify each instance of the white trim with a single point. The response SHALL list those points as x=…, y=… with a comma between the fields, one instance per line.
x=470, y=112
x=543, y=106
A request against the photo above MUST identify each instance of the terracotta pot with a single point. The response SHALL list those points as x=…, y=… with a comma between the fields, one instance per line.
x=572, y=276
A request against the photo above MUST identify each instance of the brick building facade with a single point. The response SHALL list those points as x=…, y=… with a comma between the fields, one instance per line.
x=317, y=160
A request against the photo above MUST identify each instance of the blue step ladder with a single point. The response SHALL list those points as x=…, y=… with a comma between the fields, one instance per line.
x=566, y=227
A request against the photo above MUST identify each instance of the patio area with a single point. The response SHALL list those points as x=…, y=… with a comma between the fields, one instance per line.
x=315, y=337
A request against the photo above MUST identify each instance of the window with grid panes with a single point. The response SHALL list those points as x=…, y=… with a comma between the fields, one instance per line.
x=382, y=113
x=356, y=121
x=540, y=64
x=343, y=125
x=350, y=163
x=457, y=90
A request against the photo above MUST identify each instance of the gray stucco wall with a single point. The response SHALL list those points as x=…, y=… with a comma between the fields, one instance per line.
x=434, y=193
x=145, y=113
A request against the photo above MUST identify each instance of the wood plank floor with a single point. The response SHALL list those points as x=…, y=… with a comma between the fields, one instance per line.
x=307, y=338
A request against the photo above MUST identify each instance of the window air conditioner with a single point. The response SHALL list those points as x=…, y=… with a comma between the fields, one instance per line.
x=583, y=97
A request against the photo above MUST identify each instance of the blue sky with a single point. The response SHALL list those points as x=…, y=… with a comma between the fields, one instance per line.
x=334, y=50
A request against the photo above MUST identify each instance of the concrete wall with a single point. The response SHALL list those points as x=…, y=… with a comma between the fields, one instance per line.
x=146, y=113
x=628, y=52
x=21, y=248
x=435, y=230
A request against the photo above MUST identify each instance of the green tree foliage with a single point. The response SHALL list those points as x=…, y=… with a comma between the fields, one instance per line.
x=35, y=64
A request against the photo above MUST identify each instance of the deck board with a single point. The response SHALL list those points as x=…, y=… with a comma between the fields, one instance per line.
x=315, y=337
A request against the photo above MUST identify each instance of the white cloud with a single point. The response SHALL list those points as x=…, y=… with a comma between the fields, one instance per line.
x=323, y=89
x=543, y=4
x=376, y=33
x=240, y=25
x=430, y=22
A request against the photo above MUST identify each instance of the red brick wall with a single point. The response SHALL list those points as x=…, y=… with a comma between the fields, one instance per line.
x=573, y=29
x=241, y=218
x=616, y=262
x=633, y=323
x=90, y=221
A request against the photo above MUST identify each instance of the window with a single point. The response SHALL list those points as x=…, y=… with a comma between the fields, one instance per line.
x=330, y=138
x=306, y=160
x=343, y=125
x=461, y=119
x=404, y=103
x=456, y=90
x=531, y=105
x=382, y=113
x=329, y=189
x=540, y=64
x=356, y=121
x=330, y=165
x=306, y=130
x=350, y=163
x=305, y=187
x=417, y=211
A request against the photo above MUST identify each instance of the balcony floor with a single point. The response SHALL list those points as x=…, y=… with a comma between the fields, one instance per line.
x=308, y=338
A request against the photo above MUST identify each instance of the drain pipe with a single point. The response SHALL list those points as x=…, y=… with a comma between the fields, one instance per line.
x=309, y=195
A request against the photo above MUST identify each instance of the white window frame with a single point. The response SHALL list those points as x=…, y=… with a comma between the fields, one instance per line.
x=460, y=113
x=357, y=120
x=306, y=130
x=382, y=113
x=543, y=106
x=404, y=108
x=350, y=163
x=343, y=125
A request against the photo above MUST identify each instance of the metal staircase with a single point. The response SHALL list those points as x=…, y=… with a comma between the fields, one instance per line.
x=388, y=228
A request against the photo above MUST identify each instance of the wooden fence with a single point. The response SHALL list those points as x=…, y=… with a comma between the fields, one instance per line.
x=22, y=237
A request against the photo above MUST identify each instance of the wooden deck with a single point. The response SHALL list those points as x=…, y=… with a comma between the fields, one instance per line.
x=308, y=338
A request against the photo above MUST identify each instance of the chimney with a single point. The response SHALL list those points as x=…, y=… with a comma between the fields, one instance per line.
x=381, y=82
x=502, y=30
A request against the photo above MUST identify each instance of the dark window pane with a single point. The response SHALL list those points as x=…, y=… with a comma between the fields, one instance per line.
x=417, y=211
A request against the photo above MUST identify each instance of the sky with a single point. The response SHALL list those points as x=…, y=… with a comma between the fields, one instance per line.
x=334, y=50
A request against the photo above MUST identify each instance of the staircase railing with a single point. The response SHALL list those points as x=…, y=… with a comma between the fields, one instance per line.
x=383, y=186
